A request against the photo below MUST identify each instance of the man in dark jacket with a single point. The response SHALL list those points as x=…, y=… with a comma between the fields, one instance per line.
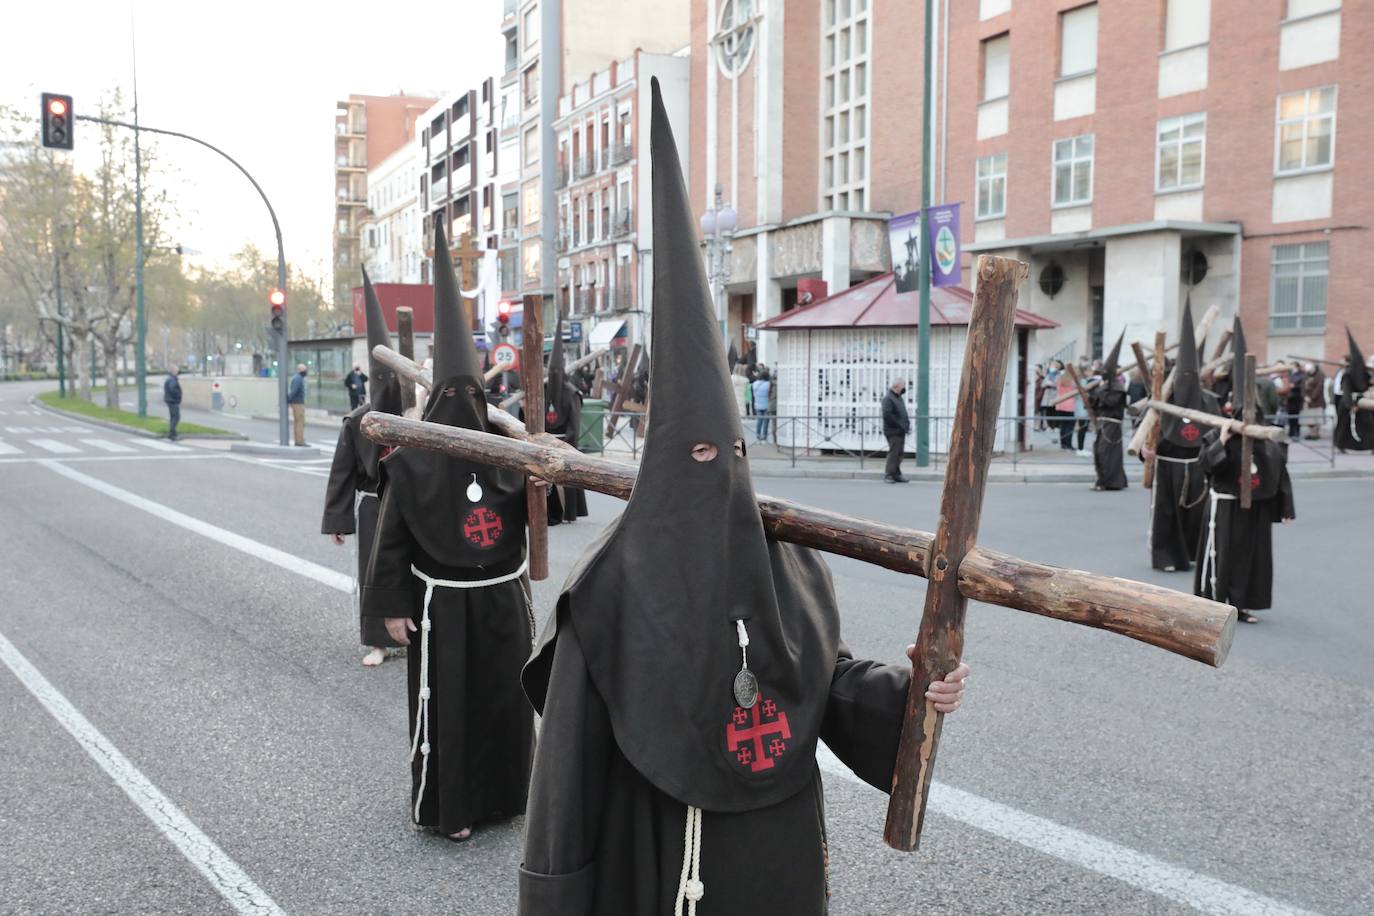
x=356, y=383
x=896, y=427
x=171, y=396
x=295, y=397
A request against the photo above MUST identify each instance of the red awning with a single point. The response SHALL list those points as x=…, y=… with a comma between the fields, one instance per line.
x=875, y=303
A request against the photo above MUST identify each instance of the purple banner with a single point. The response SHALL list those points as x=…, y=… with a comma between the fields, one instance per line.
x=945, y=267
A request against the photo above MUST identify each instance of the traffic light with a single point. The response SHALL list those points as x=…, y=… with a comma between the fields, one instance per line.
x=57, y=121
x=277, y=298
x=503, y=317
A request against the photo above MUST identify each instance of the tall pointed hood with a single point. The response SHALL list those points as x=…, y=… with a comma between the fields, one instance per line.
x=1239, y=349
x=468, y=518
x=558, y=392
x=1187, y=390
x=660, y=601
x=1111, y=369
x=454, y=352
x=1357, y=374
x=384, y=388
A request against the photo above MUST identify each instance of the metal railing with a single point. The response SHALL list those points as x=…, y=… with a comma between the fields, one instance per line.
x=621, y=152
x=621, y=225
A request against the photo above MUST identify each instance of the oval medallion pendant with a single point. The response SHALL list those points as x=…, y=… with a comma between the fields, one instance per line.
x=746, y=688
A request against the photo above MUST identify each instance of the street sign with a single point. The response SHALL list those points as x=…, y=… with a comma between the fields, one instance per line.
x=574, y=332
x=506, y=356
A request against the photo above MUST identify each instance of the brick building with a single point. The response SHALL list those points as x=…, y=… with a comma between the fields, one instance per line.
x=1134, y=152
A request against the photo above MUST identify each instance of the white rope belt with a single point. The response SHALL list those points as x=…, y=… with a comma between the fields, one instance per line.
x=1209, y=560
x=1159, y=457
x=689, y=887
x=422, y=711
x=368, y=493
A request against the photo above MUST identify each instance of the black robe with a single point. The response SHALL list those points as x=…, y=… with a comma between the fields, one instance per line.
x=1110, y=406
x=1354, y=428
x=565, y=504
x=1242, y=541
x=601, y=839
x=480, y=730
x=351, y=500
x=1178, y=504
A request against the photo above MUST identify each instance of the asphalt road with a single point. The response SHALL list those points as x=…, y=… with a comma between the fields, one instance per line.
x=1086, y=773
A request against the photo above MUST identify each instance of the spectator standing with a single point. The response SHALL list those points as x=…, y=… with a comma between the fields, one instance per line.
x=1064, y=388
x=295, y=396
x=356, y=383
x=171, y=396
x=1297, y=387
x=761, y=387
x=1314, y=399
x=1039, y=395
x=1136, y=391
x=896, y=427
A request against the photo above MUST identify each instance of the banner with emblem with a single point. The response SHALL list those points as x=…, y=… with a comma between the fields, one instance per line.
x=943, y=232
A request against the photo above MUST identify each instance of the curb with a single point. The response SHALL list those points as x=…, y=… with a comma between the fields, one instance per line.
x=130, y=430
x=330, y=422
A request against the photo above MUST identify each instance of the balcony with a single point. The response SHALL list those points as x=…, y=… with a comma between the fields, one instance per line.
x=622, y=152
x=347, y=199
x=583, y=167
x=620, y=227
x=349, y=164
x=562, y=240
x=583, y=300
x=350, y=129
x=618, y=299
x=561, y=175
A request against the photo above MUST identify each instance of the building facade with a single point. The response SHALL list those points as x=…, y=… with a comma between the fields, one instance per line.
x=391, y=239
x=1136, y=153
x=604, y=239
x=367, y=129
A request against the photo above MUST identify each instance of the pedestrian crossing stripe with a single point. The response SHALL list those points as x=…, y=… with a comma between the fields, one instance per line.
x=106, y=445
x=7, y=449
x=160, y=445
x=52, y=445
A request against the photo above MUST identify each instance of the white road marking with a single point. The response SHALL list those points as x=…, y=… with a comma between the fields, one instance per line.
x=7, y=449
x=160, y=445
x=52, y=445
x=222, y=872
x=321, y=574
x=18, y=430
x=1173, y=882
x=106, y=445
x=78, y=459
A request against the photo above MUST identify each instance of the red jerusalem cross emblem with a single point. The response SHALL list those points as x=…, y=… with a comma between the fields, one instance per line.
x=482, y=528
x=758, y=736
x=1189, y=431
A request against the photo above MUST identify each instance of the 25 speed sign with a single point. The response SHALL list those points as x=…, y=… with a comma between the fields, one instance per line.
x=506, y=356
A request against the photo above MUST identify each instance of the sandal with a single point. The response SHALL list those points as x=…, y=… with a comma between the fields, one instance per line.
x=1243, y=617
x=462, y=836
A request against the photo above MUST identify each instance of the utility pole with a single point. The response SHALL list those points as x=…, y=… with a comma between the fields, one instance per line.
x=923, y=326
x=140, y=315
x=61, y=347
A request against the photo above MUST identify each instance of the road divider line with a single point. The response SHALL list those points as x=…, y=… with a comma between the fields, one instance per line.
x=321, y=574
x=223, y=873
x=1139, y=870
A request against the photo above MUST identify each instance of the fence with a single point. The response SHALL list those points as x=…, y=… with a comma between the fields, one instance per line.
x=794, y=438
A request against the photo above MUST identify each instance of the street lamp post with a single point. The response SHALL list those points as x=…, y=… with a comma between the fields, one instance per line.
x=718, y=227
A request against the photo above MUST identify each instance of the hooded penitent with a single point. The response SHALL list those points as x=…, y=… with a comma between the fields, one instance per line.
x=1111, y=369
x=384, y=388
x=1187, y=390
x=487, y=505
x=1357, y=374
x=1266, y=458
x=662, y=602
x=558, y=393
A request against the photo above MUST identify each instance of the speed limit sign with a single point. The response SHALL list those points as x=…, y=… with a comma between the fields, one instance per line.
x=506, y=356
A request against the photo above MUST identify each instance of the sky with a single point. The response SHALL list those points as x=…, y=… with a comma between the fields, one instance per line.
x=259, y=80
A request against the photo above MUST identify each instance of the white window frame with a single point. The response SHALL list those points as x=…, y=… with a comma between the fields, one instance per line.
x=856, y=145
x=1073, y=161
x=1182, y=122
x=1302, y=276
x=1306, y=119
x=1061, y=73
x=983, y=47
x=978, y=182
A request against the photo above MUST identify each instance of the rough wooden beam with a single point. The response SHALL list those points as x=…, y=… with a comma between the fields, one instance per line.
x=1173, y=621
x=532, y=380
x=405, y=342
x=1253, y=431
x=1157, y=391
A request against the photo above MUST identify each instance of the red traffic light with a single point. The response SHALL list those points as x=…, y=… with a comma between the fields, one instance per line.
x=57, y=107
x=57, y=121
x=277, y=298
x=503, y=310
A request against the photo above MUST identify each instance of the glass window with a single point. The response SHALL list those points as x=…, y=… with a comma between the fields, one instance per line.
x=1078, y=40
x=530, y=202
x=1178, y=152
x=531, y=142
x=529, y=261
x=530, y=26
x=529, y=82
x=996, y=67
x=1297, y=287
x=1073, y=171
x=992, y=186
x=1186, y=23
x=1306, y=132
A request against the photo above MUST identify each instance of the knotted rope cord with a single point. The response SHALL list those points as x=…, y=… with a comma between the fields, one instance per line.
x=1209, y=561
x=422, y=710
x=743, y=643
x=689, y=887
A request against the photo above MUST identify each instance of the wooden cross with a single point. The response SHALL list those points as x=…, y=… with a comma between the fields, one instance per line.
x=1082, y=392
x=1156, y=394
x=532, y=382
x=956, y=568
x=405, y=342
x=1247, y=443
x=623, y=387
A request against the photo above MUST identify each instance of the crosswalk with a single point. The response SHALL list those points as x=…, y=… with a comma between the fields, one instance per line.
x=20, y=442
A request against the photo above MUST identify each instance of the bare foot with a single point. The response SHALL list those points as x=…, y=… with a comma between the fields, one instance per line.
x=374, y=657
x=461, y=835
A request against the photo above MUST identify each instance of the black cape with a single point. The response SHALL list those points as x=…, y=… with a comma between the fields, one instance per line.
x=1235, y=559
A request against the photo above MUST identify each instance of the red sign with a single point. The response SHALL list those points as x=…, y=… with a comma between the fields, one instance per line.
x=506, y=356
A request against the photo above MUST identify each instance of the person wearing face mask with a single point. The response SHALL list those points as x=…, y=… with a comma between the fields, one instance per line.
x=690, y=669
x=896, y=427
x=447, y=578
